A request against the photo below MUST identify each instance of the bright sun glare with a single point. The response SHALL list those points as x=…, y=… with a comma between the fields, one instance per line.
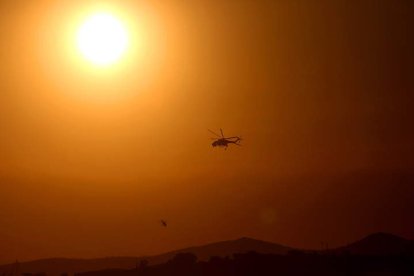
x=102, y=39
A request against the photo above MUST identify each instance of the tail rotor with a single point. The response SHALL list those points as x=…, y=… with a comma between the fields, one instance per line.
x=239, y=139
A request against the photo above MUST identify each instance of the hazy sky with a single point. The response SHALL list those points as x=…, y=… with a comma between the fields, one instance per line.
x=321, y=92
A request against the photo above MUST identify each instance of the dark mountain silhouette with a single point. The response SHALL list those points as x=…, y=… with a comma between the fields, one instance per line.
x=294, y=264
x=379, y=244
x=375, y=244
x=225, y=248
x=56, y=266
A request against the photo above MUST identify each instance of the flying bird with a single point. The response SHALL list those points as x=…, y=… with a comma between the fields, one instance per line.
x=163, y=223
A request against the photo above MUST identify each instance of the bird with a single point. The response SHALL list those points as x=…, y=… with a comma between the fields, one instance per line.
x=163, y=223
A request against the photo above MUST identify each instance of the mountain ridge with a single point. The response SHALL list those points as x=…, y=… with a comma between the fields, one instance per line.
x=376, y=243
x=379, y=243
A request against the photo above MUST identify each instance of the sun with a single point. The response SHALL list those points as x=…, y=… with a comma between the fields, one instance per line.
x=102, y=39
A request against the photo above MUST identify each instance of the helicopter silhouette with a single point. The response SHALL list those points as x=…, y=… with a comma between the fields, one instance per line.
x=222, y=141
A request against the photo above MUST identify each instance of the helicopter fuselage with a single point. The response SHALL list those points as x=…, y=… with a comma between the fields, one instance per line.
x=223, y=142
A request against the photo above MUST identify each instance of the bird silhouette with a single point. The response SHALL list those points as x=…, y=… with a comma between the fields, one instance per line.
x=163, y=223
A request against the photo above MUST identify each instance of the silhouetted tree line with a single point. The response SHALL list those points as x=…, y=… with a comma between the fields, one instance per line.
x=295, y=263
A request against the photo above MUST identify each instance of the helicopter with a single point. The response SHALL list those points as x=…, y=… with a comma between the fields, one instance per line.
x=222, y=141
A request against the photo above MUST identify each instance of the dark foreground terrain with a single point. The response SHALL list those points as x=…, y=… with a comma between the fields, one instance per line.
x=295, y=263
x=376, y=254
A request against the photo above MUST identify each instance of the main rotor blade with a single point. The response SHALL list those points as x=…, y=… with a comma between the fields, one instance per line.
x=214, y=133
x=222, y=135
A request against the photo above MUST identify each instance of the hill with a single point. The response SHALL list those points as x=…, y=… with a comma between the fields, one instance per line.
x=56, y=266
x=379, y=244
x=372, y=245
x=225, y=248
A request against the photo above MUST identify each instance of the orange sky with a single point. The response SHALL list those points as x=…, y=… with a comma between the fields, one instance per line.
x=90, y=160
